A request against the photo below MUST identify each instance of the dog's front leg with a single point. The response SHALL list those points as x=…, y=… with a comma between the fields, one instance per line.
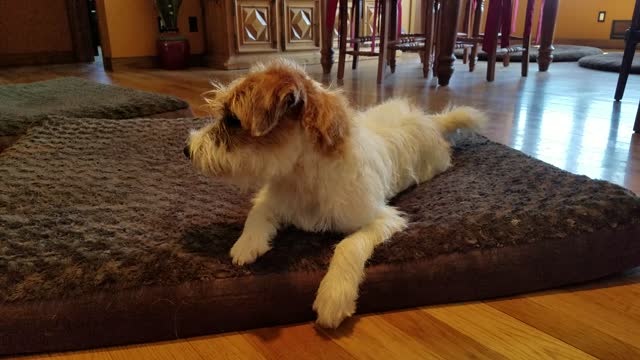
x=338, y=292
x=259, y=229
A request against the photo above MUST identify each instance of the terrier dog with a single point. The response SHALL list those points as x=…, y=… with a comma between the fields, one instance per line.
x=320, y=165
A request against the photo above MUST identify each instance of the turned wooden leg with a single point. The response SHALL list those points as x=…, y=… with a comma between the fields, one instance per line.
x=545, y=54
x=446, y=40
x=327, y=21
x=342, y=37
x=506, y=59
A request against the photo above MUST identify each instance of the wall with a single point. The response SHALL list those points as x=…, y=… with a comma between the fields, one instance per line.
x=129, y=28
x=34, y=26
x=577, y=20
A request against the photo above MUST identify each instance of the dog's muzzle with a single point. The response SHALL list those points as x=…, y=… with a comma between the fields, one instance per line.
x=187, y=153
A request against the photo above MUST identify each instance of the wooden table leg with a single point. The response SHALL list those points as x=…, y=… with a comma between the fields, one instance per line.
x=545, y=54
x=446, y=40
x=326, y=48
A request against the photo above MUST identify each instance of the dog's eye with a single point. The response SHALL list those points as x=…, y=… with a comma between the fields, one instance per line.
x=231, y=121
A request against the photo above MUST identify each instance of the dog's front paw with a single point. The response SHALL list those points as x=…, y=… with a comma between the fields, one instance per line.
x=247, y=249
x=336, y=301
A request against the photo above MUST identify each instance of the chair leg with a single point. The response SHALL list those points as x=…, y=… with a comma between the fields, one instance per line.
x=636, y=125
x=524, y=71
x=477, y=19
x=427, y=30
x=436, y=34
x=625, y=69
x=493, y=29
x=356, y=15
x=342, y=56
x=526, y=41
x=466, y=27
x=506, y=59
x=384, y=33
x=473, y=57
x=393, y=34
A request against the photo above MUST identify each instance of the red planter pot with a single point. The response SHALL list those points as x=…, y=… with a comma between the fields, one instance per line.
x=173, y=52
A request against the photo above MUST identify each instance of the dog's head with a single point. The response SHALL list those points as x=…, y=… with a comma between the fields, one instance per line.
x=263, y=122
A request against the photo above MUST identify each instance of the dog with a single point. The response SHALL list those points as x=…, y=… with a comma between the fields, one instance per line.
x=320, y=165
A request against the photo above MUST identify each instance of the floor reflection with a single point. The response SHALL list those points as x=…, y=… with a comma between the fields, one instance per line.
x=580, y=134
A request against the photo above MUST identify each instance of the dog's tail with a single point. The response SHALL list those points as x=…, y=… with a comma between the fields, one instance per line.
x=462, y=117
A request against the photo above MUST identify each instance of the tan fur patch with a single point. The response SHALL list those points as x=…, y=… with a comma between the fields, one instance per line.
x=270, y=100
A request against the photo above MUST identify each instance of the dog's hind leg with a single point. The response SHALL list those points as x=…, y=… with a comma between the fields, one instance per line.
x=259, y=229
x=338, y=292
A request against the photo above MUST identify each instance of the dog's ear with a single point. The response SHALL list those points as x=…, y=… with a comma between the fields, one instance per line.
x=288, y=100
x=327, y=122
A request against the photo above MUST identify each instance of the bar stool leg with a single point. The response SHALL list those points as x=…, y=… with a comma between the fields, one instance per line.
x=342, y=36
x=356, y=16
x=384, y=33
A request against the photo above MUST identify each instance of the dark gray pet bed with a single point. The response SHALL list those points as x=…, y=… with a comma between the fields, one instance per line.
x=609, y=62
x=562, y=53
x=26, y=105
x=108, y=236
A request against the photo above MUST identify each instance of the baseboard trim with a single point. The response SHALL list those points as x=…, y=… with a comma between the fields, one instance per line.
x=37, y=58
x=599, y=43
x=143, y=62
x=246, y=60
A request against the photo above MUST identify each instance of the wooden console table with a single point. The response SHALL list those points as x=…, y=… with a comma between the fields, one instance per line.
x=447, y=36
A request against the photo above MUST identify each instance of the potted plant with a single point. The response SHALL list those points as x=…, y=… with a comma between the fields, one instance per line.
x=173, y=48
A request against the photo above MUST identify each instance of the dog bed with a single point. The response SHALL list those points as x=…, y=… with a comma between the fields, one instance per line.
x=561, y=53
x=25, y=105
x=108, y=236
x=609, y=62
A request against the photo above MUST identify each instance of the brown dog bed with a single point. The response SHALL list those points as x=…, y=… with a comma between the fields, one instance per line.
x=609, y=62
x=108, y=236
x=561, y=53
x=26, y=105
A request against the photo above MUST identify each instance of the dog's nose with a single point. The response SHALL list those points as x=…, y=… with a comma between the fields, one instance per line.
x=187, y=153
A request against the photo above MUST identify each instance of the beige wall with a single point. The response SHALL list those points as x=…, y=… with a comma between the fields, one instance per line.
x=577, y=19
x=34, y=26
x=129, y=28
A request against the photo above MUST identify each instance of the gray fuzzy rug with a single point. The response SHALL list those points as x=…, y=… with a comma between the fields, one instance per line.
x=92, y=205
x=26, y=105
x=562, y=53
x=609, y=62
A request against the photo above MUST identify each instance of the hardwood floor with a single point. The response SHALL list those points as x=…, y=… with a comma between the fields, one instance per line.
x=566, y=117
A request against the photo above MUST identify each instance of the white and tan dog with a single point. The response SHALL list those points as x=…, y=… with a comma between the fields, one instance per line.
x=320, y=165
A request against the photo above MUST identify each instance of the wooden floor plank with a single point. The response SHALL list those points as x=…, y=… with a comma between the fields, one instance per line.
x=295, y=342
x=606, y=317
x=438, y=336
x=172, y=350
x=227, y=347
x=371, y=337
x=504, y=334
x=579, y=332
